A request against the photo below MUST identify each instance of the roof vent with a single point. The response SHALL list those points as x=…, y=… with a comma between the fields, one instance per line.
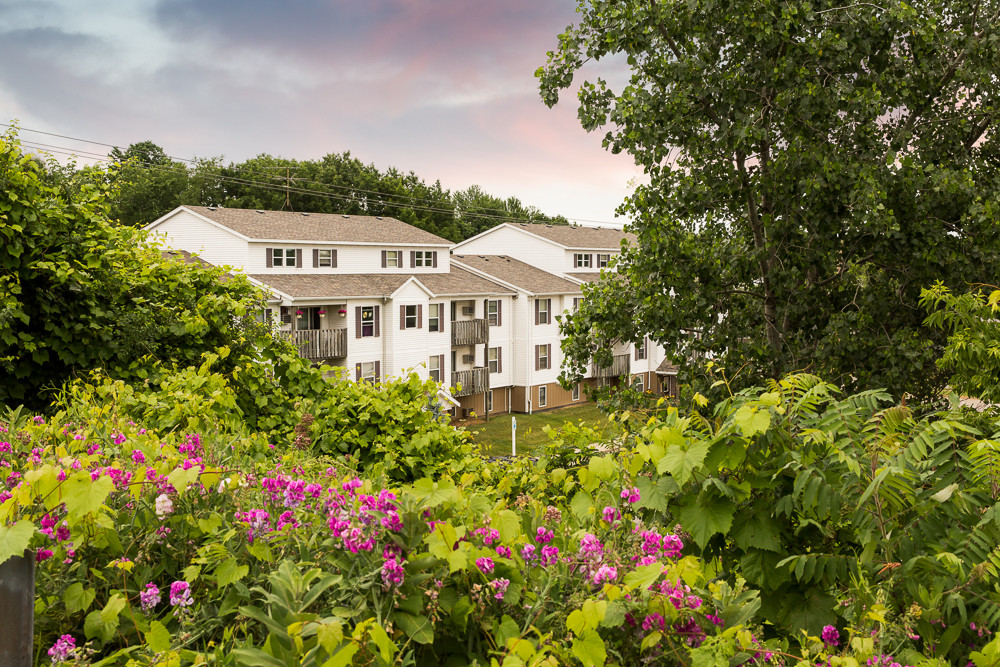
x=211, y=208
x=259, y=211
x=345, y=216
x=305, y=214
x=378, y=217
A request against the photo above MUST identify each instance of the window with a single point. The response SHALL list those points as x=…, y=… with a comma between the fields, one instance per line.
x=324, y=258
x=423, y=258
x=410, y=317
x=493, y=360
x=543, y=311
x=493, y=312
x=284, y=257
x=434, y=367
x=640, y=350
x=576, y=392
x=638, y=384
x=391, y=259
x=434, y=317
x=266, y=316
x=543, y=357
x=366, y=321
x=543, y=396
x=489, y=401
x=576, y=303
x=286, y=315
x=582, y=260
x=602, y=260
x=367, y=371
x=306, y=317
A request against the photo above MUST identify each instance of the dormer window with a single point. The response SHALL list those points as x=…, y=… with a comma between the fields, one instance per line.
x=423, y=259
x=325, y=258
x=582, y=260
x=602, y=261
x=391, y=259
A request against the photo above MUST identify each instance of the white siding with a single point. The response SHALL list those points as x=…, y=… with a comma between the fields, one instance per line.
x=569, y=260
x=350, y=259
x=186, y=231
x=517, y=244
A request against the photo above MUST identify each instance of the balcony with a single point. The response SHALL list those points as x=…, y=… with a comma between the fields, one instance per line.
x=619, y=367
x=475, y=381
x=469, y=332
x=319, y=343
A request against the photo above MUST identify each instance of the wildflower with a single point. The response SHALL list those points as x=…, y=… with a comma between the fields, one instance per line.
x=499, y=587
x=63, y=650
x=715, y=619
x=180, y=594
x=611, y=514
x=504, y=552
x=605, y=573
x=830, y=636
x=485, y=564
x=542, y=535
x=590, y=545
x=149, y=598
x=528, y=552
x=392, y=573
x=62, y=532
x=43, y=554
x=631, y=495
x=138, y=457
x=287, y=519
x=693, y=602
x=550, y=556
x=691, y=631
x=653, y=621
x=164, y=505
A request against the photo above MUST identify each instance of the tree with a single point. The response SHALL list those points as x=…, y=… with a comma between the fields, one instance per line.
x=812, y=165
x=78, y=293
x=145, y=185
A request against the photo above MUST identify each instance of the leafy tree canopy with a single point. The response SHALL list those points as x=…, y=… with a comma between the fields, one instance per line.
x=812, y=166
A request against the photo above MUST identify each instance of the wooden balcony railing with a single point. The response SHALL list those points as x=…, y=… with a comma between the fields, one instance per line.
x=469, y=332
x=475, y=381
x=319, y=343
x=619, y=366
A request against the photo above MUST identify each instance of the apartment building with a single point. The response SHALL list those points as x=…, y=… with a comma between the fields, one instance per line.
x=380, y=298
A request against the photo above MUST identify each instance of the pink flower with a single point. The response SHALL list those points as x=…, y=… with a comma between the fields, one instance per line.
x=485, y=564
x=550, y=556
x=149, y=598
x=631, y=495
x=611, y=514
x=830, y=636
x=392, y=573
x=63, y=650
x=543, y=536
x=605, y=573
x=499, y=587
x=528, y=552
x=180, y=594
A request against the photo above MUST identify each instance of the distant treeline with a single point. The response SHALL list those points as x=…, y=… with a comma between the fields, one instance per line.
x=146, y=183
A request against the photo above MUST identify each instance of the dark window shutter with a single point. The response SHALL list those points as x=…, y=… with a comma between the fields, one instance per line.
x=378, y=371
x=420, y=316
x=413, y=258
x=537, y=304
x=269, y=259
x=499, y=360
x=537, y=361
x=441, y=312
x=357, y=322
x=441, y=367
x=385, y=262
x=548, y=355
x=548, y=311
x=334, y=258
x=499, y=311
x=298, y=258
x=315, y=257
x=378, y=322
x=636, y=355
x=434, y=259
x=357, y=372
x=402, y=317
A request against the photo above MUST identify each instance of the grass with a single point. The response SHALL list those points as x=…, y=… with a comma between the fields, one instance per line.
x=494, y=436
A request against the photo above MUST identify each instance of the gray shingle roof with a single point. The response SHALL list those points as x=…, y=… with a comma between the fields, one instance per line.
x=589, y=238
x=586, y=277
x=328, y=227
x=515, y=272
x=666, y=368
x=343, y=285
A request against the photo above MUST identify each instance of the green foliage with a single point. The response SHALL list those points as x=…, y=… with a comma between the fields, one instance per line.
x=972, y=354
x=812, y=166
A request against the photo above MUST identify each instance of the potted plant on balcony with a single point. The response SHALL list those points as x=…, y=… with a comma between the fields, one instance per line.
x=342, y=312
x=322, y=313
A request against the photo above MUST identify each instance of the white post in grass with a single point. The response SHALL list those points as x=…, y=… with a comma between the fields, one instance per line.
x=513, y=436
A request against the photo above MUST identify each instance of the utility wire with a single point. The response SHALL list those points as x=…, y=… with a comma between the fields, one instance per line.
x=469, y=210
x=378, y=197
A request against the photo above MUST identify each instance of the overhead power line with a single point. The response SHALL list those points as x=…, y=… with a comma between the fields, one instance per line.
x=405, y=200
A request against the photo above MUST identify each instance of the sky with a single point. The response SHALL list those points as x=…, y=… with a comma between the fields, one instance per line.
x=443, y=88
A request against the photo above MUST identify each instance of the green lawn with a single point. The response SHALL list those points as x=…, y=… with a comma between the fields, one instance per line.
x=494, y=436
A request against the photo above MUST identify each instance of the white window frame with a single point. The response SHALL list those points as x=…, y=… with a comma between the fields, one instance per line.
x=410, y=320
x=493, y=312
x=641, y=350
x=423, y=258
x=368, y=371
x=324, y=258
x=489, y=401
x=639, y=384
x=544, y=308
x=368, y=320
x=576, y=303
x=493, y=359
x=543, y=396
x=576, y=392
x=434, y=368
x=284, y=257
x=582, y=260
x=392, y=258
x=603, y=260
x=543, y=358
x=434, y=316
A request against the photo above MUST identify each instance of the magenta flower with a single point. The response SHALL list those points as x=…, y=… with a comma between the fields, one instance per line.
x=149, y=598
x=392, y=573
x=43, y=554
x=485, y=564
x=550, y=556
x=138, y=457
x=528, y=552
x=180, y=594
x=543, y=535
x=63, y=650
x=653, y=621
x=499, y=587
x=830, y=636
x=605, y=573
x=631, y=495
x=611, y=514
x=504, y=552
